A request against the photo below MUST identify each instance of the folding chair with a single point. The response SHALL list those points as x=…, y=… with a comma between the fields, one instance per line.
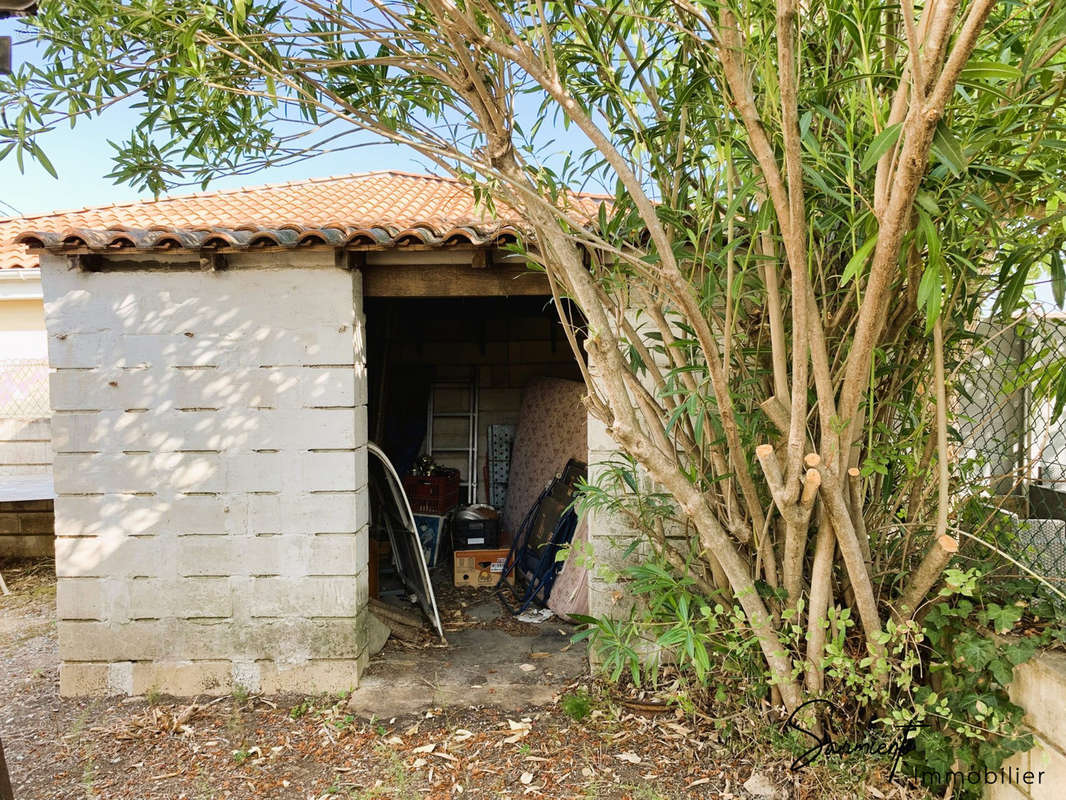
x=547, y=528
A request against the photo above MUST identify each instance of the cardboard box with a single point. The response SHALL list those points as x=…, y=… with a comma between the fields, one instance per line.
x=481, y=567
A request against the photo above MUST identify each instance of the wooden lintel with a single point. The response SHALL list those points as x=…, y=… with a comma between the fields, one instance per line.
x=452, y=280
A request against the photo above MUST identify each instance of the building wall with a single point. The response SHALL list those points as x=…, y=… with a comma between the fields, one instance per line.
x=1039, y=686
x=26, y=528
x=25, y=437
x=210, y=475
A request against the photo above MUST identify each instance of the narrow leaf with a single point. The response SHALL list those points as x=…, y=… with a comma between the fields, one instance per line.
x=882, y=143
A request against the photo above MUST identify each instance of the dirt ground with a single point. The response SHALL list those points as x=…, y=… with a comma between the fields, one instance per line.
x=579, y=745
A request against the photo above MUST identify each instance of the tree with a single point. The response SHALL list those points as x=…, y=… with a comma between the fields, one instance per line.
x=812, y=205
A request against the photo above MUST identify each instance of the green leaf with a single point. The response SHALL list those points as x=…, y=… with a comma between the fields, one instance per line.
x=990, y=70
x=929, y=293
x=947, y=149
x=881, y=144
x=926, y=201
x=1058, y=277
x=858, y=260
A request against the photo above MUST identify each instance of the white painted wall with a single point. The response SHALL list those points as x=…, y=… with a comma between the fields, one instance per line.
x=24, y=436
x=210, y=470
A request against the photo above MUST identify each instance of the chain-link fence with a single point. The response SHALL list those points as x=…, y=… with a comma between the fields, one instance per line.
x=1011, y=437
x=24, y=389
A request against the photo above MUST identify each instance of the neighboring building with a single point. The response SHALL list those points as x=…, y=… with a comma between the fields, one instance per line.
x=25, y=433
x=212, y=409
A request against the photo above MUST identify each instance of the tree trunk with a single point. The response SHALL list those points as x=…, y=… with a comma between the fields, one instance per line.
x=6, y=792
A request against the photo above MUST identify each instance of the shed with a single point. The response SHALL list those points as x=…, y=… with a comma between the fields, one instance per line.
x=219, y=363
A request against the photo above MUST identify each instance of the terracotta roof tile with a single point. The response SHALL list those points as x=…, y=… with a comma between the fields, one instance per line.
x=388, y=207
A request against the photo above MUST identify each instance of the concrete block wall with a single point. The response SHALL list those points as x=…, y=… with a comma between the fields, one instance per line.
x=26, y=528
x=210, y=473
x=25, y=446
x=1039, y=686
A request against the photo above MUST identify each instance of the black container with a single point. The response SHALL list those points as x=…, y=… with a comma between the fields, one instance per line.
x=475, y=534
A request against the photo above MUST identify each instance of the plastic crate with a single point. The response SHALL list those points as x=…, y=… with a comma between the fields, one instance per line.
x=436, y=494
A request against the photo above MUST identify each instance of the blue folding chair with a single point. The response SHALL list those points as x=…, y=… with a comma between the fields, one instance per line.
x=532, y=559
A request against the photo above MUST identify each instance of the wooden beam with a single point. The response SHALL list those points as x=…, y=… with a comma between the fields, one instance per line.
x=451, y=280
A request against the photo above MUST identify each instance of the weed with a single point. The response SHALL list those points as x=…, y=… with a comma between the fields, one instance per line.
x=88, y=773
x=240, y=694
x=240, y=756
x=577, y=705
x=345, y=723
x=301, y=709
x=153, y=696
x=397, y=784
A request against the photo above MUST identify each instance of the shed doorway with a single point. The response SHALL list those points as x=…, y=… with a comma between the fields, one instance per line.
x=448, y=381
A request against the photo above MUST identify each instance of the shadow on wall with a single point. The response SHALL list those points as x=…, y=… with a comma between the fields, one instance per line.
x=210, y=462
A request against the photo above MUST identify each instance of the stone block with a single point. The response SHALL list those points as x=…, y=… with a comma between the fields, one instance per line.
x=38, y=522
x=82, y=598
x=1048, y=766
x=231, y=388
x=24, y=453
x=312, y=677
x=117, y=515
x=183, y=679
x=118, y=473
x=101, y=641
x=81, y=350
x=312, y=387
x=324, y=472
x=83, y=679
x=334, y=554
x=314, y=429
x=81, y=389
x=111, y=556
x=313, y=596
x=343, y=511
x=255, y=472
x=183, y=598
x=23, y=546
x=1039, y=687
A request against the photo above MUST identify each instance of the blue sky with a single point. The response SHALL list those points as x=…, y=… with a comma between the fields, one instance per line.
x=82, y=157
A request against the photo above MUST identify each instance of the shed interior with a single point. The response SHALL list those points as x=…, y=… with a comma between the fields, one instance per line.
x=444, y=374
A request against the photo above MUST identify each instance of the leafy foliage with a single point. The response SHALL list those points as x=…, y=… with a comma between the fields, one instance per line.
x=810, y=211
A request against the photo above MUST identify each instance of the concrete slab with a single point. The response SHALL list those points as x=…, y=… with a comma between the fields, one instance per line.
x=17, y=488
x=479, y=666
x=486, y=612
